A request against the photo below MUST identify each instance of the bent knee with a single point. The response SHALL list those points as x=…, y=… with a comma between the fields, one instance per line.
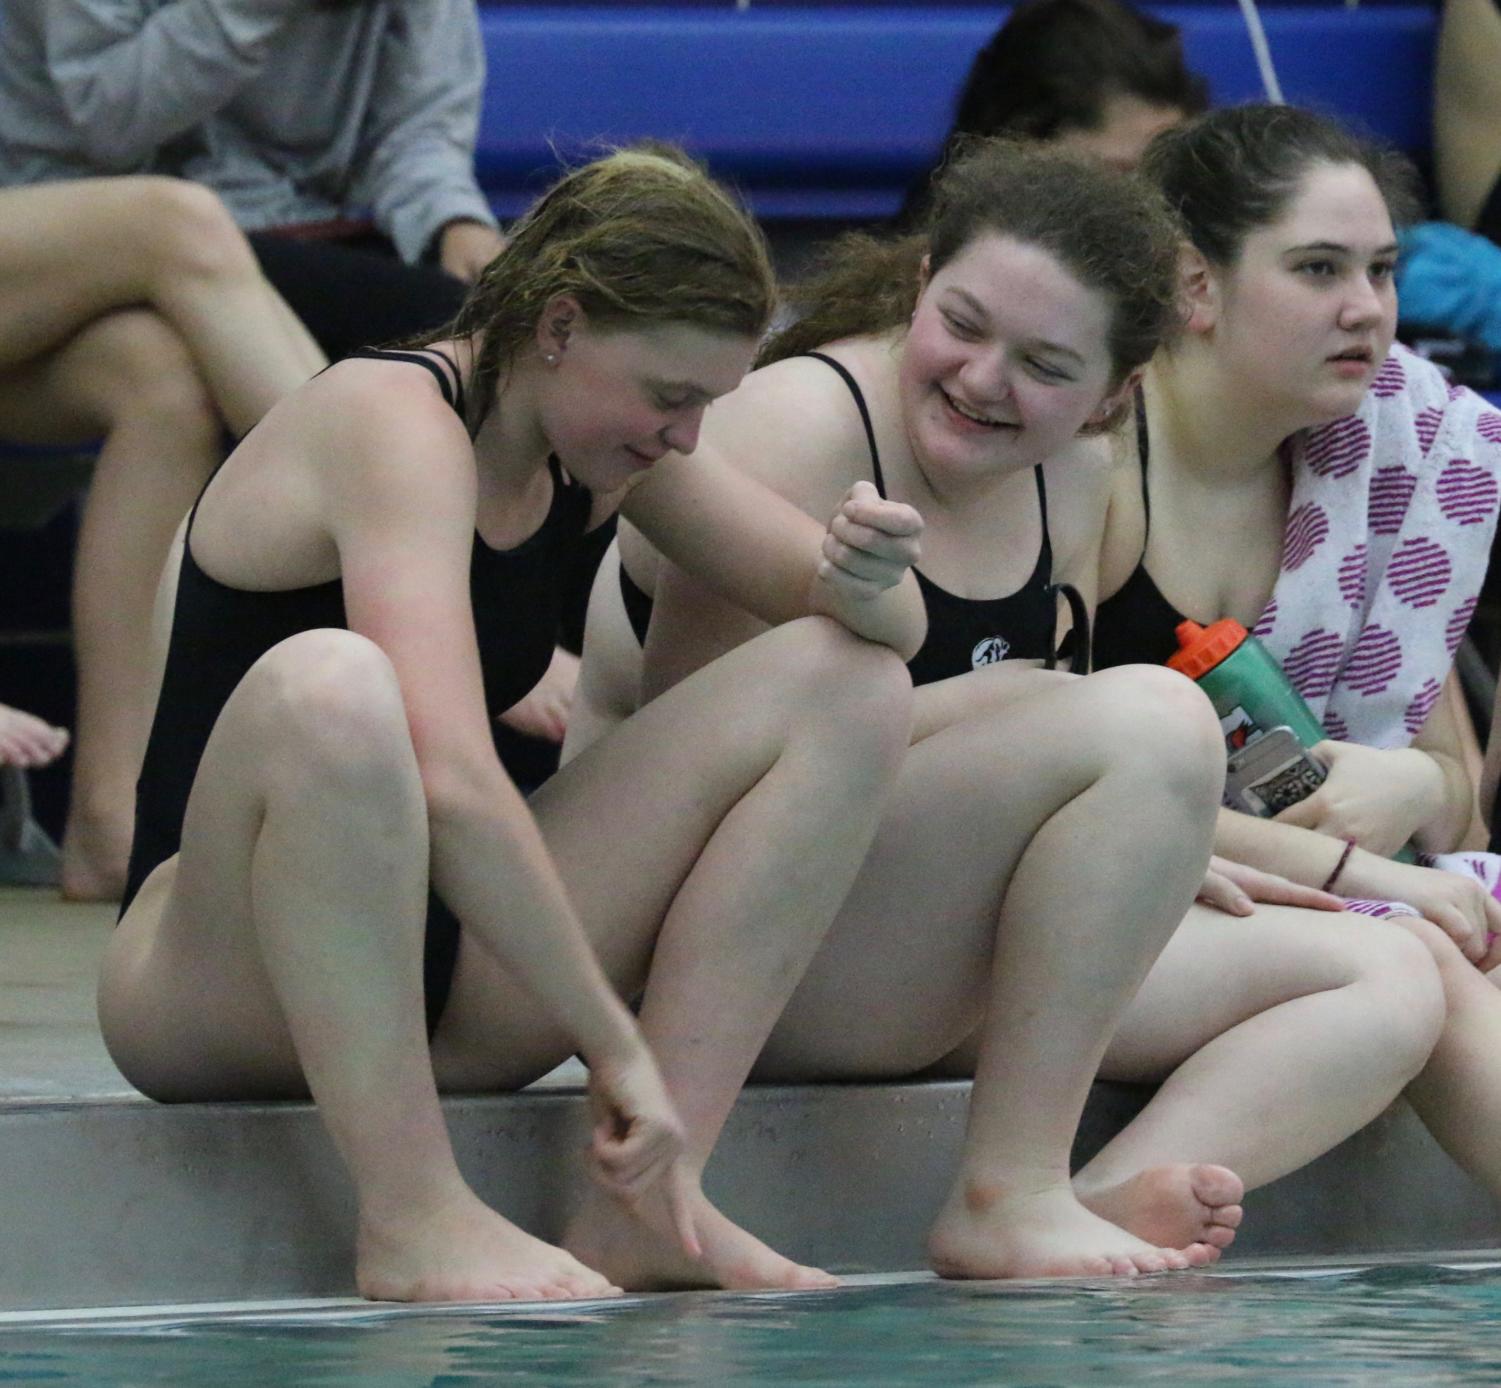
x=194, y=233
x=857, y=683
x=1160, y=720
x=330, y=701
x=1456, y=971
x=137, y=365
x=1401, y=967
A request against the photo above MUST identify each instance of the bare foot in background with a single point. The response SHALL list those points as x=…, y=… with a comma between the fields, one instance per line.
x=28, y=741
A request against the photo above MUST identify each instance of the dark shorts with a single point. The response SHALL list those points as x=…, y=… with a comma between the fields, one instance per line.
x=440, y=956
x=359, y=294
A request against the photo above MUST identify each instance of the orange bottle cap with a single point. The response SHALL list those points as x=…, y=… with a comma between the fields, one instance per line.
x=1200, y=649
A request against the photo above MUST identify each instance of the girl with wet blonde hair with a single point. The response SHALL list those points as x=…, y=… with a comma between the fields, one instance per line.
x=336, y=890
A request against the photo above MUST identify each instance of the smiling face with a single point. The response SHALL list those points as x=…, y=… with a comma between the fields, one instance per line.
x=1007, y=359
x=617, y=399
x=1307, y=313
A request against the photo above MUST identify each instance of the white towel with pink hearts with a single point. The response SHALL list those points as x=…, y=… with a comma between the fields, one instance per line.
x=1388, y=535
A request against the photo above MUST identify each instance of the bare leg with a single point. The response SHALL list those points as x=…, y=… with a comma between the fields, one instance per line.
x=125, y=377
x=1273, y=1038
x=1031, y=865
x=1458, y=1094
x=73, y=251
x=281, y=953
x=710, y=839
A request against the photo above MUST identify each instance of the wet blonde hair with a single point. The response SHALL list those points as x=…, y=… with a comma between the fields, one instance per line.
x=640, y=237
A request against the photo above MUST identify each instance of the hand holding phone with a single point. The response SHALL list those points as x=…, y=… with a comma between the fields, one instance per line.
x=1274, y=771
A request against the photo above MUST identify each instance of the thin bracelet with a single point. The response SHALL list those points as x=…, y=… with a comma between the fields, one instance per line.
x=1339, y=867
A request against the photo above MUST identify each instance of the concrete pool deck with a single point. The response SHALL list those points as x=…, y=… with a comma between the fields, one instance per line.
x=110, y=1200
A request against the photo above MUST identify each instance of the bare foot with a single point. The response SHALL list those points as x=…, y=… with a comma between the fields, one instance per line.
x=990, y=1232
x=467, y=1252
x=96, y=853
x=638, y=1250
x=1174, y=1205
x=28, y=741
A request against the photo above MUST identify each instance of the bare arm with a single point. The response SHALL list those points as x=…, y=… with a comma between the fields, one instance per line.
x=134, y=76
x=752, y=547
x=1443, y=739
x=417, y=160
x=401, y=506
x=609, y=685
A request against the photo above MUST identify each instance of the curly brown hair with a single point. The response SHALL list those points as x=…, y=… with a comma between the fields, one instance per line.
x=641, y=236
x=1111, y=231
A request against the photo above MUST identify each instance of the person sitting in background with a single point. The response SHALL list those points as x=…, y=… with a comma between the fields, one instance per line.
x=341, y=135
x=1093, y=76
x=132, y=313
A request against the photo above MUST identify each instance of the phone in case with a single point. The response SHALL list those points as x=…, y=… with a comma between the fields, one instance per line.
x=1266, y=776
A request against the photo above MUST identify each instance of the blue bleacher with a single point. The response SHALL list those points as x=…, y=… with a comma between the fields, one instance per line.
x=829, y=110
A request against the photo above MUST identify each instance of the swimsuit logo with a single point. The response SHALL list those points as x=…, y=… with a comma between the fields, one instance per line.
x=989, y=651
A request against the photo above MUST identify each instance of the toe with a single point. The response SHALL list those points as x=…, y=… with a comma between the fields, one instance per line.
x=1216, y=1185
x=589, y=1284
x=1228, y=1216
x=814, y=1279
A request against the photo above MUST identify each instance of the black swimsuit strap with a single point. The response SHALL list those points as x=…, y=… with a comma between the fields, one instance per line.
x=450, y=382
x=870, y=433
x=1045, y=552
x=1078, y=611
x=1143, y=451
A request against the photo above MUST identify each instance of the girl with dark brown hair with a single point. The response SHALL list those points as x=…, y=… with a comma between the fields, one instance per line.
x=1047, y=832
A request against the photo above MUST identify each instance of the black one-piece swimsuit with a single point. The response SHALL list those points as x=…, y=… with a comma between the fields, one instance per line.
x=963, y=633
x=219, y=632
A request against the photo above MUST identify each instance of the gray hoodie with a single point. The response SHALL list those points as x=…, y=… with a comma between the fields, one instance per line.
x=292, y=110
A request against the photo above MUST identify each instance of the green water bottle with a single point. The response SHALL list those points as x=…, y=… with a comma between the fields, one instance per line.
x=1268, y=727
x=1249, y=692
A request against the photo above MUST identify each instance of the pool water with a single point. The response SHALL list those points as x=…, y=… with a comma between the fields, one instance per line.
x=1394, y=1324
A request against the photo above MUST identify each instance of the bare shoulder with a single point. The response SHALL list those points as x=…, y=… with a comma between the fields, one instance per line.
x=384, y=434
x=794, y=427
